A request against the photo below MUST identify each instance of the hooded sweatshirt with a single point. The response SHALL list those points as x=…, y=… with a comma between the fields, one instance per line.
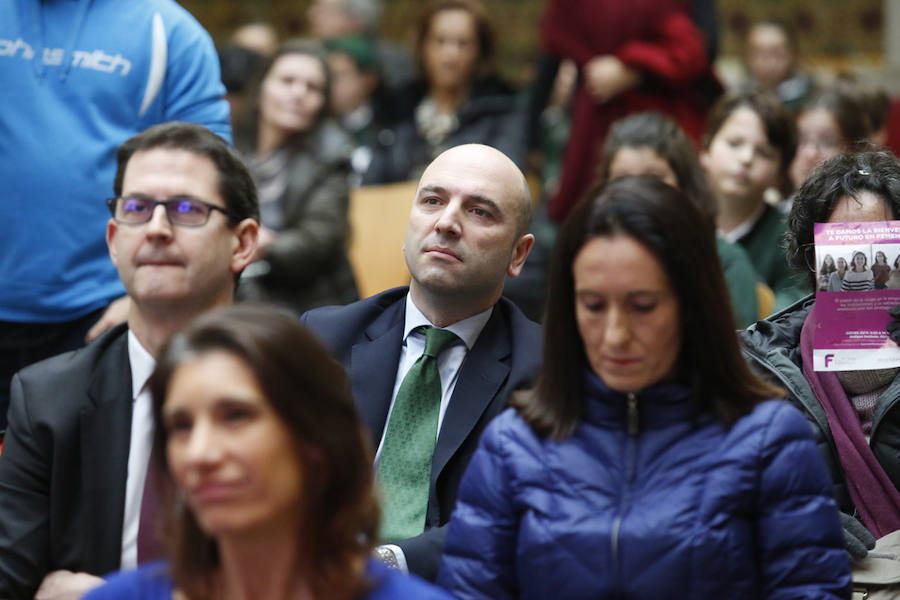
x=77, y=79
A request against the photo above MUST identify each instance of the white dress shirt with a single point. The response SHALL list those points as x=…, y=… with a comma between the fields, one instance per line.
x=449, y=363
x=142, y=365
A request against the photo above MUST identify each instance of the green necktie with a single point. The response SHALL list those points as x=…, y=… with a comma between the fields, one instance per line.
x=404, y=469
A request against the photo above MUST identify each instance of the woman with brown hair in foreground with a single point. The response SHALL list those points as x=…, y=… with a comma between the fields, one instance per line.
x=268, y=485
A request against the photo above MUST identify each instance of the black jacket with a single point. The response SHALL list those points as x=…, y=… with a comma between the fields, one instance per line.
x=492, y=115
x=772, y=347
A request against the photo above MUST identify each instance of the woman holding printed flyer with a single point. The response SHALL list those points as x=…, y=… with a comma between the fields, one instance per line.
x=856, y=414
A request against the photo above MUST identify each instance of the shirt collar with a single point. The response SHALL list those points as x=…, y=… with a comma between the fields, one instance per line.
x=744, y=228
x=142, y=365
x=467, y=330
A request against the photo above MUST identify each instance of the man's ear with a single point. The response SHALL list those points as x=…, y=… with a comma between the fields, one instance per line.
x=246, y=237
x=519, y=254
x=111, y=229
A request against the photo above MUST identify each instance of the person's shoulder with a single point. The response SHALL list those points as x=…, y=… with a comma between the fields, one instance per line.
x=342, y=325
x=81, y=361
x=391, y=584
x=371, y=306
x=148, y=582
x=525, y=335
x=773, y=423
x=170, y=10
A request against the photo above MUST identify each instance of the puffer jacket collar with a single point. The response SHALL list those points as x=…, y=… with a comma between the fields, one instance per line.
x=658, y=406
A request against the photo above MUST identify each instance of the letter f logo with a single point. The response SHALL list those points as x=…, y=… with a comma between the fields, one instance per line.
x=828, y=359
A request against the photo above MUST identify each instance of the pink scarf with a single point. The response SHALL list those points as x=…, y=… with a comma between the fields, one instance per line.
x=876, y=499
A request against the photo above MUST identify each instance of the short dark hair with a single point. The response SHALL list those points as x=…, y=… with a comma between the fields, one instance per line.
x=663, y=136
x=777, y=123
x=661, y=219
x=839, y=176
x=236, y=186
x=484, y=31
x=310, y=393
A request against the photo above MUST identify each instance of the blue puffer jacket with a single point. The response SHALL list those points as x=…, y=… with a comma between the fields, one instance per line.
x=677, y=507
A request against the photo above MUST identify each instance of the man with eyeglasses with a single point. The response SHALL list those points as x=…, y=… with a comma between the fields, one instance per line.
x=77, y=79
x=73, y=503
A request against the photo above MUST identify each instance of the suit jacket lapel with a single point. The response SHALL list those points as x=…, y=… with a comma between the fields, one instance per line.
x=105, y=439
x=481, y=377
x=373, y=368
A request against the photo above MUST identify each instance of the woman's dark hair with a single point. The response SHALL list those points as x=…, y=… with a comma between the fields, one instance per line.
x=777, y=123
x=853, y=260
x=246, y=125
x=849, y=109
x=882, y=255
x=484, y=32
x=897, y=262
x=826, y=267
x=660, y=218
x=656, y=132
x=839, y=176
x=310, y=393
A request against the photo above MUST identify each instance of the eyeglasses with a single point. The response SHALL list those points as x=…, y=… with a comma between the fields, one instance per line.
x=186, y=212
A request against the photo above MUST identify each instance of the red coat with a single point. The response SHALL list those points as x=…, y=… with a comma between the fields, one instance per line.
x=656, y=37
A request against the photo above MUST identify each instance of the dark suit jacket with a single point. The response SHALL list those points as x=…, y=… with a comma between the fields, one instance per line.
x=64, y=465
x=366, y=337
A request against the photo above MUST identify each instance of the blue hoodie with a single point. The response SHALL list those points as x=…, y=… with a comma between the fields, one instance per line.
x=78, y=78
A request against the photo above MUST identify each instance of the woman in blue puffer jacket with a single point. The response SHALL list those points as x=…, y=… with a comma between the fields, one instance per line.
x=648, y=462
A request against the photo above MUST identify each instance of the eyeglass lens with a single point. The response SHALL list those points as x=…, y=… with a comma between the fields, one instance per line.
x=181, y=211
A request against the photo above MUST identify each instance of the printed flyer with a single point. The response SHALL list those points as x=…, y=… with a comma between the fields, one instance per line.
x=858, y=280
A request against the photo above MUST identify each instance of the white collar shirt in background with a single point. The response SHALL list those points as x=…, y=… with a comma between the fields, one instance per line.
x=142, y=365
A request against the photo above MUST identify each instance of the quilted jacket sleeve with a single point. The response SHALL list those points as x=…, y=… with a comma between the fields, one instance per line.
x=480, y=547
x=800, y=543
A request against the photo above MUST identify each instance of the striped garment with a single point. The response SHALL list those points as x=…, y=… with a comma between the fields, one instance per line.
x=858, y=281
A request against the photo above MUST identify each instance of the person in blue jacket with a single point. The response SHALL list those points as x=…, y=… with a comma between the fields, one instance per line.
x=264, y=471
x=77, y=79
x=648, y=462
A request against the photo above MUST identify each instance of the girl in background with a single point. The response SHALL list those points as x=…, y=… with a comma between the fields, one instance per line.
x=748, y=145
x=831, y=122
x=834, y=282
x=652, y=144
x=881, y=270
x=301, y=163
x=825, y=272
x=459, y=98
x=859, y=278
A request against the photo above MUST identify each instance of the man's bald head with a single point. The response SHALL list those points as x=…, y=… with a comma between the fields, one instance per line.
x=467, y=231
x=500, y=166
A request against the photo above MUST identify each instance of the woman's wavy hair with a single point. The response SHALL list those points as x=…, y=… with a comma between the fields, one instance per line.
x=674, y=231
x=310, y=393
x=659, y=133
x=246, y=124
x=837, y=177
